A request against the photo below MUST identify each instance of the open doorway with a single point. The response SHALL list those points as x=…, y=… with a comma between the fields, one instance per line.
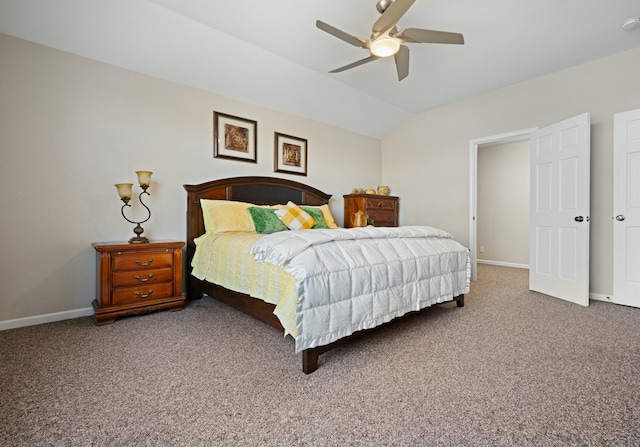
x=474, y=146
x=559, y=206
x=503, y=204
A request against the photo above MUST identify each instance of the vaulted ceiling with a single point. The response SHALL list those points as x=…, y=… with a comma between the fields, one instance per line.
x=270, y=53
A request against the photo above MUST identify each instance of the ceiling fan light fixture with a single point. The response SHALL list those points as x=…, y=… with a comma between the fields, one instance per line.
x=384, y=47
x=386, y=40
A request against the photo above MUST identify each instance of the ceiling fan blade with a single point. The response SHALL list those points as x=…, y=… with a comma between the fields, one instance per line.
x=430, y=36
x=390, y=17
x=355, y=64
x=353, y=40
x=402, y=62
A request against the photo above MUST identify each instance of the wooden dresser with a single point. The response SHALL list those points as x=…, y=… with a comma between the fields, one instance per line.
x=135, y=279
x=382, y=210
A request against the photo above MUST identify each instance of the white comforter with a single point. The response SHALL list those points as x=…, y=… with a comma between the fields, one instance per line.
x=353, y=279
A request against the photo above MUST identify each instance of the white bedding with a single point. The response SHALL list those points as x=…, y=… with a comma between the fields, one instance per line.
x=359, y=278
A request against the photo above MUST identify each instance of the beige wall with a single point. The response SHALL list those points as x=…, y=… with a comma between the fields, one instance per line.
x=426, y=160
x=71, y=127
x=503, y=203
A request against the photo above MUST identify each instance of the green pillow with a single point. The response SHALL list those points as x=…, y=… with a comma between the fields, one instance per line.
x=265, y=220
x=317, y=215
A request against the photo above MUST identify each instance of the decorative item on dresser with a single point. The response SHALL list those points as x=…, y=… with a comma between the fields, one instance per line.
x=135, y=279
x=124, y=191
x=382, y=210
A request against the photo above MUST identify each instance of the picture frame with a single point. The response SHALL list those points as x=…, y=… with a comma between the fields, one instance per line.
x=290, y=154
x=235, y=138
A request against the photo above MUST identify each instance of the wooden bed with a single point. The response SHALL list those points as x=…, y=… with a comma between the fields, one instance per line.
x=260, y=191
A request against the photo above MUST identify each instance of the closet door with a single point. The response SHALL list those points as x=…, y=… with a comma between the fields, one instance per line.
x=626, y=206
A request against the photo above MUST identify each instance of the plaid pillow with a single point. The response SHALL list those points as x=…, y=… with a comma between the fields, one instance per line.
x=295, y=218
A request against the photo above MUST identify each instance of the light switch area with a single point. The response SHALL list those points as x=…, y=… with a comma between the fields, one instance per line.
x=482, y=249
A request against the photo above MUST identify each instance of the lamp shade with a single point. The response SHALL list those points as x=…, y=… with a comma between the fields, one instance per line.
x=385, y=47
x=144, y=177
x=124, y=190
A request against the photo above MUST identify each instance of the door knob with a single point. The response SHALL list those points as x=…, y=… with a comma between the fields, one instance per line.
x=620, y=217
x=579, y=219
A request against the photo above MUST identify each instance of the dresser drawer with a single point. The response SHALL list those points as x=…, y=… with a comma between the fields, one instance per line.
x=382, y=218
x=140, y=278
x=128, y=295
x=140, y=261
x=384, y=223
x=382, y=204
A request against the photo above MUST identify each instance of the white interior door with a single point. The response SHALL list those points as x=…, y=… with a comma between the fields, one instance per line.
x=559, y=231
x=626, y=208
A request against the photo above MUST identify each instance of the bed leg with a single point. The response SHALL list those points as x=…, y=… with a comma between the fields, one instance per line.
x=310, y=360
x=459, y=300
x=193, y=294
x=193, y=291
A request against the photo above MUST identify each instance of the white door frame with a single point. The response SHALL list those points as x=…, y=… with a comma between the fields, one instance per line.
x=510, y=137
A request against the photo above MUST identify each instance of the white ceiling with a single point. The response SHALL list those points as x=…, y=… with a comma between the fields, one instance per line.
x=270, y=53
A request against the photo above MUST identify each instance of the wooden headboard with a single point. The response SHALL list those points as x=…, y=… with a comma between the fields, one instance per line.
x=258, y=190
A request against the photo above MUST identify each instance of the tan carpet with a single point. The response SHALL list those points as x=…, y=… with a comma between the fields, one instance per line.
x=511, y=368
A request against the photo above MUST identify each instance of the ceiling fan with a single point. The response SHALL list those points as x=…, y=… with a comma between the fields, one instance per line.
x=386, y=40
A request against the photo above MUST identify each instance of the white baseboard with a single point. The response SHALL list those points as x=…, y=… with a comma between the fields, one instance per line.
x=88, y=311
x=46, y=318
x=601, y=297
x=592, y=296
x=503, y=264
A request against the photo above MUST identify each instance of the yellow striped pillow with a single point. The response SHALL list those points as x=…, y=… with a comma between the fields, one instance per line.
x=221, y=216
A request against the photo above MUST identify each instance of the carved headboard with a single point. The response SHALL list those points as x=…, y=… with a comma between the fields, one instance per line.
x=258, y=190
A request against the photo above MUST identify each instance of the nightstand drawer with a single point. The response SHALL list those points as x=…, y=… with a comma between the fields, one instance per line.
x=146, y=260
x=141, y=278
x=147, y=292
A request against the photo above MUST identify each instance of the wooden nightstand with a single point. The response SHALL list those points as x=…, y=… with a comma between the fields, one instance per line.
x=382, y=210
x=135, y=279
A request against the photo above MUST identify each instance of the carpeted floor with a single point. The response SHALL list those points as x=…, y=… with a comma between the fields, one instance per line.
x=511, y=368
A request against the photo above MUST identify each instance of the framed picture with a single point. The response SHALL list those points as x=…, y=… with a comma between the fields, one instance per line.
x=290, y=154
x=234, y=138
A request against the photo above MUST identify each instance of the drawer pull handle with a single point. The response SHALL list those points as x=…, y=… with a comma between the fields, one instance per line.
x=143, y=263
x=380, y=204
x=138, y=294
x=144, y=279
